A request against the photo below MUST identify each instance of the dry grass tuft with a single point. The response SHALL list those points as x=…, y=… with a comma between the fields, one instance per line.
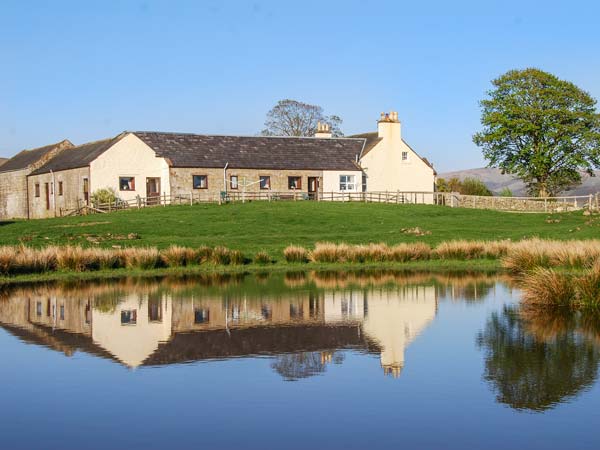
x=204, y=254
x=262, y=258
x=221, y=256
x=588, y=286
x=177, y=256
x=142, y=258
x=295, y=254
x=547, y=287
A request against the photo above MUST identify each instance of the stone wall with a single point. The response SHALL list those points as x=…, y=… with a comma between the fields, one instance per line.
x=72, y=196
x=516, y=203
x=13, y=194
x=182, y=179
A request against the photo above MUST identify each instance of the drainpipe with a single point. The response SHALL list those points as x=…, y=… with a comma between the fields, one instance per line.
x=225, y=176
x=53, y=185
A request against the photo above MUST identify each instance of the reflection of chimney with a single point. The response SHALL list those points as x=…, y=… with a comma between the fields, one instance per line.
x=323, y=130
x=393, y=369
x=388, y=125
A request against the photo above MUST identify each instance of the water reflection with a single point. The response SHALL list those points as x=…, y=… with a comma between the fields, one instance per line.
x=535, y=360
x=302, y=320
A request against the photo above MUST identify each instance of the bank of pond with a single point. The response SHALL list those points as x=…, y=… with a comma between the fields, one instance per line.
x=550, y=272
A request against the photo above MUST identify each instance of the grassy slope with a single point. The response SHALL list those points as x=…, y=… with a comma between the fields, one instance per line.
x=272, y=226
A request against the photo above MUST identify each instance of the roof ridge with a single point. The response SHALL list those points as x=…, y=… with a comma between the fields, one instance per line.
x=242, y=135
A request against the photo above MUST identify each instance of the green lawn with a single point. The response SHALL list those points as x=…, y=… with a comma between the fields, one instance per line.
x=272, y=226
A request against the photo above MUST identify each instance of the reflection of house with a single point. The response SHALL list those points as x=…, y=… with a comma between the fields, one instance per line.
x=160, y=328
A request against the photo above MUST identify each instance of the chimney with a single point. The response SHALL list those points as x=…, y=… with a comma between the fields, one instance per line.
x=323, y=130
x=388, y=125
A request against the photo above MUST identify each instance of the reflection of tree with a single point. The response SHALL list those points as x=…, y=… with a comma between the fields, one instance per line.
x=532, y=373
x=294, y=366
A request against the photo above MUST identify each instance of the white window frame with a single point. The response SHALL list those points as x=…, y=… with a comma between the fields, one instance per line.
x=347, y=183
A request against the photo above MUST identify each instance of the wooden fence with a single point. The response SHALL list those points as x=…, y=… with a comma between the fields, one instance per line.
x=455, y=200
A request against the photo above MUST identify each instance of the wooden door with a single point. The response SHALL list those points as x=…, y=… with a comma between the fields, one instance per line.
x=152, y=191
x=47, y=188
x=313, y=187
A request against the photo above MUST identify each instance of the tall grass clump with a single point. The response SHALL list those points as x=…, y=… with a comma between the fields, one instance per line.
x=177, y=256
x=295, y=254
x=262, y=258
x=236, y=257
x=460, y=250
x=221, y=256
x=204, y=254
x=410, y=252
x=325, y=252
x=142, y=258
x=588, y=286
x=547, y=287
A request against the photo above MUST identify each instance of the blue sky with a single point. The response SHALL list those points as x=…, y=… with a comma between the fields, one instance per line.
x=86, y=70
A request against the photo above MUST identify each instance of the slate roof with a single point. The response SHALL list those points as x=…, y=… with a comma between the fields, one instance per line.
x=247, y=152
x=270, y=340
x=79, y=156
x=372, y=139
x=25, y=158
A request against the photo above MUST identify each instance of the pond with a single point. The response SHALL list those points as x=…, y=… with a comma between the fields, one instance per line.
x=295, y=360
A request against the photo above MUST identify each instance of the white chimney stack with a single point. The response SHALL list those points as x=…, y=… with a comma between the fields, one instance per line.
x=323, y=130
x=388, y=126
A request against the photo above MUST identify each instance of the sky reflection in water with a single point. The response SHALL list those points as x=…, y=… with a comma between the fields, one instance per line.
x=296, y=360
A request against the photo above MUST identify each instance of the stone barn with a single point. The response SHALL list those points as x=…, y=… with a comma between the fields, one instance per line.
x=13, y=178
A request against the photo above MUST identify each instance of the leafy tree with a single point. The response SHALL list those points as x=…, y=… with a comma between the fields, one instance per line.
x=540, y=128
x=293, y=118
x=469, y=186
x=506, y=192
x=473, y=186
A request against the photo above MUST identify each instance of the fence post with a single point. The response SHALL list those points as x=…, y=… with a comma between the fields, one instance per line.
x=164, y=199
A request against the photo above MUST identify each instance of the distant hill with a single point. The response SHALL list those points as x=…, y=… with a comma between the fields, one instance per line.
x=3, y=160
x=495, y=181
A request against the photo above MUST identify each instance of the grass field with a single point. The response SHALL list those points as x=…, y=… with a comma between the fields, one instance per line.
x=272, y=226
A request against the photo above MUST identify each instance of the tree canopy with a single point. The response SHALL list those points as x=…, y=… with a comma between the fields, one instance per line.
x=468, y=186
x=540, y=128
x=294, y=118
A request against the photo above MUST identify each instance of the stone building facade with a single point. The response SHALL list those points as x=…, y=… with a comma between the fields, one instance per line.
x=13, y=178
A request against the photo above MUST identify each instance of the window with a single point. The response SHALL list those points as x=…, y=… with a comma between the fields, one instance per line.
x=155, y=309
x=62, y=312
x=404, y=156
x=265, y=182
x=294, y=182
x=37, y=189
x=266, y=312
x=129, y=317
x=38, y=309
x=364, y=182
x=201, y=315
x=60, y=188
x=200, y=181
x=296, y=311
x=233, y=181
x=347, y=183
x=127, y=183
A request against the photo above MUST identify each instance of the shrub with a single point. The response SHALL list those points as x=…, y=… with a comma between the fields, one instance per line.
x=295, y=254
x=473, y=186
x=262, y=258
x=105, y=195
